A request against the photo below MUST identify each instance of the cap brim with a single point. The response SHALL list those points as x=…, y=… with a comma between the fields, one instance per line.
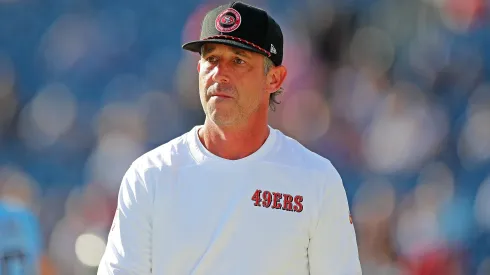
x=195, y=46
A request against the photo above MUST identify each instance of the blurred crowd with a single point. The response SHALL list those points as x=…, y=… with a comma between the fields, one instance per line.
x=396, y=93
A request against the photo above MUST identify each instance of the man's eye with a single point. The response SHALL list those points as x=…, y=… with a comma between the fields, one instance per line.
x=239, y=61
x=212, y=59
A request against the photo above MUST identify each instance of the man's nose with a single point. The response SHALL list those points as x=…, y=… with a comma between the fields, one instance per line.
x=220, y=73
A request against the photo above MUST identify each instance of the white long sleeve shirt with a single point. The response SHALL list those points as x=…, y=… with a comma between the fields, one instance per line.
x=182, y=210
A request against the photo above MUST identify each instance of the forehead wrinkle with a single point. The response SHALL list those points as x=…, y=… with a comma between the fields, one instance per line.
x=209, y=48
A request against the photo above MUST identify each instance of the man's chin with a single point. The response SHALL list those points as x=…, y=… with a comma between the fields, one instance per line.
x=222, y=117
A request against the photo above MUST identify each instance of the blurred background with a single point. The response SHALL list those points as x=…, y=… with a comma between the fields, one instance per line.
x=396, y=93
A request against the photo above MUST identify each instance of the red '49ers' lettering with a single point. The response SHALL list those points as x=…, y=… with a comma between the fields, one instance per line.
x=267, y=199
x=277, y=198
x=278, y=201
x=298, y=201
x=256, y=197
x=288, y=202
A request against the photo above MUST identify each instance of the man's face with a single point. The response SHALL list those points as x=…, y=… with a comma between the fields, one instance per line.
x=232, y=84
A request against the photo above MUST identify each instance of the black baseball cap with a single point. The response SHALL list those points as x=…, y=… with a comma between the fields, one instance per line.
x=244, y=26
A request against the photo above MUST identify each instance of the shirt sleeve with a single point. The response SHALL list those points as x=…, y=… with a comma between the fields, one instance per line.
x=128, y=249
x=333, y=245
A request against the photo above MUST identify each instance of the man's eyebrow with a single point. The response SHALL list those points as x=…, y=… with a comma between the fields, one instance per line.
x=241, y=52
x=206, y=49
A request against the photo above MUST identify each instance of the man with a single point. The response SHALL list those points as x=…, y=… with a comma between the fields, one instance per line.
x=20, y=240
x=233, y=196
x=21, y=250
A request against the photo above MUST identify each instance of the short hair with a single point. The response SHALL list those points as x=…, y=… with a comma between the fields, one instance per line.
x=268, y=65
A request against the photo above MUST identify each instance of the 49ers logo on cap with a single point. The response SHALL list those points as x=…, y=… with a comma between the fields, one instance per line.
x=228, y=20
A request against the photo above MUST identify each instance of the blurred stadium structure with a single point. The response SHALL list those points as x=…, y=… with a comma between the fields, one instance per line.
x=395, y=92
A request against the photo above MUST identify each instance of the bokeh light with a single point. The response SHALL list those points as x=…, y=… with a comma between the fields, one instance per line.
x=89, y=249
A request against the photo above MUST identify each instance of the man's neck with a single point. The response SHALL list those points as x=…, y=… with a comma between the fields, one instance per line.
x=233, y=142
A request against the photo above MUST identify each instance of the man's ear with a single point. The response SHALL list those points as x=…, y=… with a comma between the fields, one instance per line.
x=275, y=78
x=199, y=66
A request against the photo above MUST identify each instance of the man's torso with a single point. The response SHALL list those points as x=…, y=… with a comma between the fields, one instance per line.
x=244, y=217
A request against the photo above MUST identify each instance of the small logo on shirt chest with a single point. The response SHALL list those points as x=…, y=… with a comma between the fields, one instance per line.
x=276, y=200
